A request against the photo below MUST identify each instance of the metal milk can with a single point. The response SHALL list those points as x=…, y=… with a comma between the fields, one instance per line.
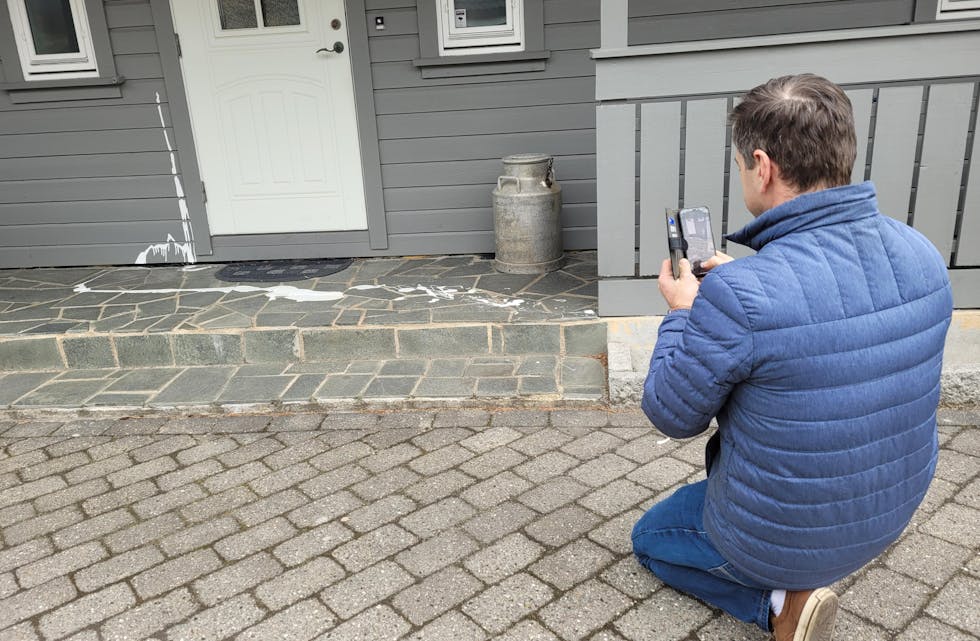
x=526, y=216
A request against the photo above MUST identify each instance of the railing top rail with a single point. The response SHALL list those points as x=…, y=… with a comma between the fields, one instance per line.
x=787, y=39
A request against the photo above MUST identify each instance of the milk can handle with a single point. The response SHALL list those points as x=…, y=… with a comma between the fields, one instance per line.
x=514, y=179
x=549, y=177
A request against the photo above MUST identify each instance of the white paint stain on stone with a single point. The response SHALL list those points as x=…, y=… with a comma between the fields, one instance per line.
x=287, y=292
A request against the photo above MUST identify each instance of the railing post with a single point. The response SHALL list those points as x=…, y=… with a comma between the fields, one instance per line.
x=614, y=23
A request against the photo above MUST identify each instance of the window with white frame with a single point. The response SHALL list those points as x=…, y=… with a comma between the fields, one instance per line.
x=959, y=9
x=53, y=39
x=480, y=26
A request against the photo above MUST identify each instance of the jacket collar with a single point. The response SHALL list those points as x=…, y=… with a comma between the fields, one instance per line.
x=809, y=211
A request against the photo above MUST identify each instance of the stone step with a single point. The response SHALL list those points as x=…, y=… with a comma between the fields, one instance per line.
x=288, y=345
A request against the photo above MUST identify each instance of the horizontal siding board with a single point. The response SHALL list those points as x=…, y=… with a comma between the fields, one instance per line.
x=95, y=211
x=120, y=14
x=465, y=196
x=148, y=232
x=476, y=172
x=768, y=20
x=398, y=22
x=83, y=119
x=139, y=65
x=562, y=64
x=941, y=168
x=133, y=40
x=69, y=255
x=83, y=142
x=575, y=35
x=86, y=166
x=134, y=92
x=78, y=189
x=374, y=5
x=486, y=147
x=418, y=222
x=475, y=242
x=488, y=121
x=399, y=48
x=491, y=95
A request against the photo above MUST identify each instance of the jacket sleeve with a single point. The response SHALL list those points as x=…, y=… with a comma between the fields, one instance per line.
x=700, y=355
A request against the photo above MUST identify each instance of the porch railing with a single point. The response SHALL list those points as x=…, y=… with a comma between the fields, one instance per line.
x=663, y=141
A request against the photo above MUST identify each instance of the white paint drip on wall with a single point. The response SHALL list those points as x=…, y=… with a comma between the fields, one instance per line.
x=184, y=251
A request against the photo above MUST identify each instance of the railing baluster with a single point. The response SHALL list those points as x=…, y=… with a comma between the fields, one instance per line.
x=896, y=134
x=941, y=168
x=660, y=166
x=616, y=189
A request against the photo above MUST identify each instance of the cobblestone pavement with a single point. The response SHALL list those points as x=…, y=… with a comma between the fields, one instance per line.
x=457, y=525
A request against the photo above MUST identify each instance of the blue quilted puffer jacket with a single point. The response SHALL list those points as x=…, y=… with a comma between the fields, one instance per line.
x=820, y=356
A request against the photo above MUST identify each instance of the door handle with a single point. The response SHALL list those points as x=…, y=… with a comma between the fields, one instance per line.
x=338, y=47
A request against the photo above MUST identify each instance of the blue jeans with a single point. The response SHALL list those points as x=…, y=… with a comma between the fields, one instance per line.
x=670, y=541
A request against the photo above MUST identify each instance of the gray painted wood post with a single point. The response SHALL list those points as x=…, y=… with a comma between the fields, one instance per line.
x=614, y=24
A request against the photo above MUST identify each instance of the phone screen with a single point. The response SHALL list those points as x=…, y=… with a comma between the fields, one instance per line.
x=696, y=227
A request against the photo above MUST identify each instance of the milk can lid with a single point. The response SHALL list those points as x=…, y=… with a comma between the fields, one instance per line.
x=526, y=159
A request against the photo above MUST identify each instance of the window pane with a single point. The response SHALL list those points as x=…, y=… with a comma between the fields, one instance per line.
x=479, y=13
x=52, y=26
x=237, y=14
x=280, y=13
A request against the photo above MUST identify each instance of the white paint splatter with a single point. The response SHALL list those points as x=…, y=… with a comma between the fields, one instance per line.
x=588, y=312
x=164, y=250
x=287, y=292
x=514, y=302
x=181, y=251
x=194, y=268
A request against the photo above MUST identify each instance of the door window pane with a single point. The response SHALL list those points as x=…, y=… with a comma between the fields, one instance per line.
x=280, y=13
x=479, y=13
x=52, y=27
x=237, y=14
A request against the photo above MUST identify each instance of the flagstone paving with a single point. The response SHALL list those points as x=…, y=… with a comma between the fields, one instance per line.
x=381, y=331
x=462, y=524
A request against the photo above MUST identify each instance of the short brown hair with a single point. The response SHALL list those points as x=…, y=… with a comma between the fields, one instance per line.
x=804, y=123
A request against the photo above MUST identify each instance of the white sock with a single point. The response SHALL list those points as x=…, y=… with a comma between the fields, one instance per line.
x=776, y=600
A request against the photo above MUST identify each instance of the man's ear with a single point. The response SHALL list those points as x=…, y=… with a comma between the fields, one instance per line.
x=764, y=168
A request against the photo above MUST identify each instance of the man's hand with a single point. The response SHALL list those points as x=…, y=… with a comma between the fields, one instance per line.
x=679, y=293
x=718, y=259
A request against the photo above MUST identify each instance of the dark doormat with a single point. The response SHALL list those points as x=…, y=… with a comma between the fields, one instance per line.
x=281, y=270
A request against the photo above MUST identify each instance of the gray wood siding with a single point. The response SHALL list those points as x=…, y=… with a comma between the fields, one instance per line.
x=89, y=180
x=441, y=139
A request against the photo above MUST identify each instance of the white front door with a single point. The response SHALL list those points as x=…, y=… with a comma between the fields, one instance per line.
x=273, y=118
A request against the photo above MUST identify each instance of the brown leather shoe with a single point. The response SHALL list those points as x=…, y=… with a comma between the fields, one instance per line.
x=807, y=616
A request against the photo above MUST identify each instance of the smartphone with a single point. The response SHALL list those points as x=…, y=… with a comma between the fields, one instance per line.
x=689, y=236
